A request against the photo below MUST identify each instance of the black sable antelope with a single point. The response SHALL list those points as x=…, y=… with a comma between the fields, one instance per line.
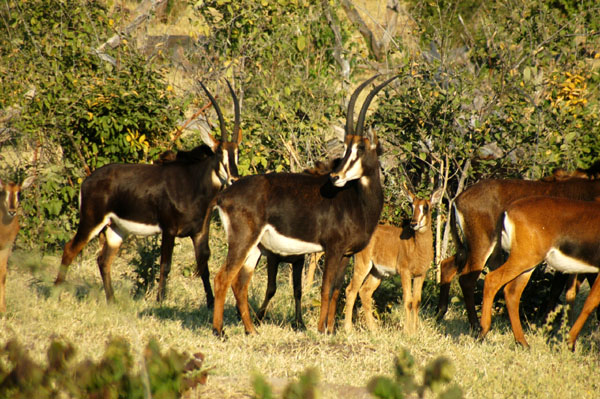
x=476, y=212
x=295, y=213
x=560, y=231
x=170, y=198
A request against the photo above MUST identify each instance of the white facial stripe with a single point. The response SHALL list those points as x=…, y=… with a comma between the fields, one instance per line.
x=566, y=264
x=351, y=170
x=282, y=245
x=420, y=217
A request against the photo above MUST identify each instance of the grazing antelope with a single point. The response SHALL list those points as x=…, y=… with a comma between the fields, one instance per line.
x=560, y=231
x=170, y=198
x=476, y=211
x=9, y=227
x=296, y=213
x=406, y=250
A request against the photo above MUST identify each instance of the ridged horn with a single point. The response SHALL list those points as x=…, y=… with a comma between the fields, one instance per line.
x=236, y=107
x=352, y=102
x=363, y=111
x=219, y=114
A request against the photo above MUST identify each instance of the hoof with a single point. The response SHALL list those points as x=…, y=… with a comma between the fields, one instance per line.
x=298, y=326
x=220, y=334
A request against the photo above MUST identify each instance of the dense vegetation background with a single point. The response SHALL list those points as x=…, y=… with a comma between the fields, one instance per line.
x=488, y=89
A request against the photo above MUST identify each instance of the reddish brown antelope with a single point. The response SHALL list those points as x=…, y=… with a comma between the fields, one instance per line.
x=9, y=227
x=295, y=213
x=169, y=198
x=407, y=251
x=560, y=231
x=476, y=212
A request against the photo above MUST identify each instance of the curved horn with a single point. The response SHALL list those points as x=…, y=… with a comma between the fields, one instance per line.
x=350, y=112
x=363, y=111
x=236, y=107
x=219, y=114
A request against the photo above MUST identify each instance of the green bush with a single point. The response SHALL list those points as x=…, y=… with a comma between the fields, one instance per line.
x=164, y=375
x=77, y=110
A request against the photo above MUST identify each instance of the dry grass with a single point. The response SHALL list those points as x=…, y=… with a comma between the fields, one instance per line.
x=78, y=312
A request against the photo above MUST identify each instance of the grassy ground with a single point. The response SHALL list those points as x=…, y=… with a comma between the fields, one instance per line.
x=78, y=312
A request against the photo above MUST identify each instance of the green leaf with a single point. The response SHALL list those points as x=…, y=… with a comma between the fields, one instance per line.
x=301, y=43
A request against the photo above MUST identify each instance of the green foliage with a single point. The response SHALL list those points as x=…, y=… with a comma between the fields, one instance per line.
x=304, y=388
x=436, y=376
x=145, y=265
x=164, y=376
x=282, y=50
x=76, y=107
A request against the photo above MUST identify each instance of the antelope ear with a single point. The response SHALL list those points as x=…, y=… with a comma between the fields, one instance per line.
x=208, y=138
x=437, y=196
x=409, y=194
x=27, y=182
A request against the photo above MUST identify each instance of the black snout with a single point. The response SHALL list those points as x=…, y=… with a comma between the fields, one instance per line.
x=334, y=178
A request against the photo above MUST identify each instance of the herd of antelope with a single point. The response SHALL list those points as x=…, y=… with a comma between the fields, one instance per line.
x=509, y=225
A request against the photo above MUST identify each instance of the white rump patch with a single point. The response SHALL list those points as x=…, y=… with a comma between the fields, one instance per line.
x=460, y=219
x=224, y=219
x=124, y=226
x=282, y=245
x=566, y=264
x=508, y=233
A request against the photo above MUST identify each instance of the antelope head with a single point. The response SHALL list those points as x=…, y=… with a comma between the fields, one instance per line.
x=361, y=151
x=226, y=151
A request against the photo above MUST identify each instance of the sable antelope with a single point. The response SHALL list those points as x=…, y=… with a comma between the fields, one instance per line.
x=562, y=232
x=170, y=198
x=9, y=227
x=297, y=261
x=406, y=250
x=295, y=213
x=476, y=211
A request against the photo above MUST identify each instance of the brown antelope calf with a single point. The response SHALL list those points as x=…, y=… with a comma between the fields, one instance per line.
x=297, y=213
x=407, y=251
x=560, y=231
x=9, y=227
x=476, y=212
x=170, y=197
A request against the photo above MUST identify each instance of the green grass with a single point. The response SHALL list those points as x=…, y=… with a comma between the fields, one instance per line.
x=77, y=312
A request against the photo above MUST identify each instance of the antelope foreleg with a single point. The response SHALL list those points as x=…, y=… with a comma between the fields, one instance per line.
x=362, y=267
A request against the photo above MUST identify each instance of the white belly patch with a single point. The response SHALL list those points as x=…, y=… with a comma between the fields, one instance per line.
x=129, y=227
x=282, y=245
x=566, y=264
x=384, y=271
